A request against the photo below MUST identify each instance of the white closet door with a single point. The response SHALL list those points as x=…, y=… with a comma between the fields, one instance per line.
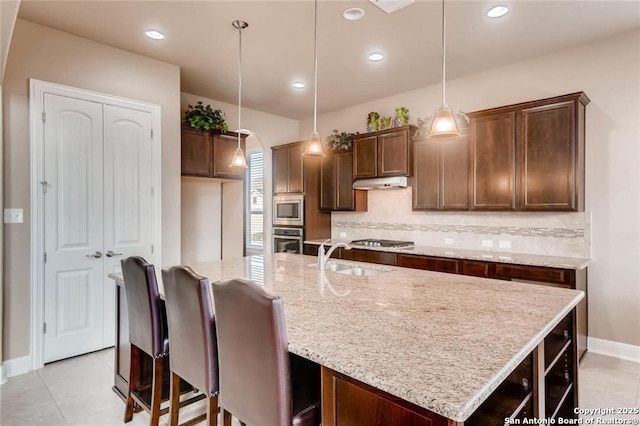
x=74, y=269
x=128, y=209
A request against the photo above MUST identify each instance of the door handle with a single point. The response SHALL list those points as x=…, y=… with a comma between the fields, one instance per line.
x=96, y=255
x=111, y=254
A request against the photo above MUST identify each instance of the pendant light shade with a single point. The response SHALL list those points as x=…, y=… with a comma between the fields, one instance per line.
x=444, y=125
x=314, y=146
x=238, y=160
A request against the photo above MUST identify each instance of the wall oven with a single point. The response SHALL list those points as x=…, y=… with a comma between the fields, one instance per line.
x=288, y=240
x=288, y=210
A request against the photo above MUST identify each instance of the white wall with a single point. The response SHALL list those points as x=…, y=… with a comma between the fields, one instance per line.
x=608, y=72
x=50, y=55
x=270, y=130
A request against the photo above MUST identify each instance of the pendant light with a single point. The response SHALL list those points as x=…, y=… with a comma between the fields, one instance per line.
x=314, y=147
x=444, y=125
x=238, y=160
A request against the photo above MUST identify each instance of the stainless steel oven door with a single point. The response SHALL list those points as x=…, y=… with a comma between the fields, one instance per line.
x=288, y=210
x=287, y=240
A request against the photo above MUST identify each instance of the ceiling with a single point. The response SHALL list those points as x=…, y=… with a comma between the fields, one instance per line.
x=278, y=44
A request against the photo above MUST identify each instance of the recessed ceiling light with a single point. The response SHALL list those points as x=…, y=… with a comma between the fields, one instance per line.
x=497, y=11
x=156, y=35
x=376, y=57
x=298, y=85
x=353, y=14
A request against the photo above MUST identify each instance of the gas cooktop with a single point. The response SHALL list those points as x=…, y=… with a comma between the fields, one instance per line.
x=381, y=243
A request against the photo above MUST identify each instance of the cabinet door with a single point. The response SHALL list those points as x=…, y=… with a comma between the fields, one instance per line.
x=328, y=183
x=493, y=149
x=454, y=174
x=548, y=157
x=295, y=183
x=196, y=153
x=365, y=157
x=426, y=166
x=344, y=181
x=223, y=148
x=393, y=154
x=280, y=170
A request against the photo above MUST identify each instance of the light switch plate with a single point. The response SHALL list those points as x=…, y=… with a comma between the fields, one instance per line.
x=343, y=235
x=448, y=240
x=504, y=244
x=13, y=216
x=487, y=243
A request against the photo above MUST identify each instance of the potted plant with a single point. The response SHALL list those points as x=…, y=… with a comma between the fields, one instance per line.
x=340, y=140
x=372, y=121
x=202, y=117
x=402, y=117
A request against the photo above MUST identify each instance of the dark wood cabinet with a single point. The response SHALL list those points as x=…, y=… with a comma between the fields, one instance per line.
x=493, y=162
x=441, y=174
x=551, y=159
x=336, y=190
x=383, y=153
x=288, y=169
x=208, y=154
x=371, y=256
x=529, y=156
x=428, y=263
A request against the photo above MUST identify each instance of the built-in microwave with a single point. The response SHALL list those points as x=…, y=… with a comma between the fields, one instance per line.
x=288, y=210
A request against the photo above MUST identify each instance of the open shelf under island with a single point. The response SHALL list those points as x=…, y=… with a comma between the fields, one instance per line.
x=411, y=347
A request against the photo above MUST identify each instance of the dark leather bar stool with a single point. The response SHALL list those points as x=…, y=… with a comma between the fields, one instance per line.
x=194, y=351
x=260, y=383
x=147, y=333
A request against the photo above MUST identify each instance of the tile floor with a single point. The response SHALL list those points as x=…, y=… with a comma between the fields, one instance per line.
x=78, y=391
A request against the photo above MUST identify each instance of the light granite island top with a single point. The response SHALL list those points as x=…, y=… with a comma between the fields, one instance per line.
x=440, y=341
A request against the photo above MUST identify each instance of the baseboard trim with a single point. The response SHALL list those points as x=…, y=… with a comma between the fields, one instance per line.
x=3, y=379
x=17, y=366
x=615, y=349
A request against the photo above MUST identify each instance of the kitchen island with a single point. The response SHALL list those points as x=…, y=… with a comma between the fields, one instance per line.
x=418, y=347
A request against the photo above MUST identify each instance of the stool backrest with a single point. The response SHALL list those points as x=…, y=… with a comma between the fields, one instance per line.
x=192, y=332
x=147, y=319
x=255, y=383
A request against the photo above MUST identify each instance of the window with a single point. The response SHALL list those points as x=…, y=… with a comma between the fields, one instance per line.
x=255, y=202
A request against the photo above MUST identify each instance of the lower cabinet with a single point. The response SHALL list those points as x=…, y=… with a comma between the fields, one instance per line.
x=428, y=263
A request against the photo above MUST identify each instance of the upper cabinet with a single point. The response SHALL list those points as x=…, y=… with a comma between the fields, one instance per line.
x=208, y=154
x=288, y=171
x=529, y=156
x=441, y=174
x=383, y=153
x=336, y=179
x=493, y=161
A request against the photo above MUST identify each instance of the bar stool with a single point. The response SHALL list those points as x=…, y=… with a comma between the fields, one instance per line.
x=256, y=370
x=147, y=333
x=194, y=351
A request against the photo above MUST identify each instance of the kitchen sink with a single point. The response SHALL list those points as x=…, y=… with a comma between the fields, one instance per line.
x=361, y=271
x=346, y=269
x=333, y=266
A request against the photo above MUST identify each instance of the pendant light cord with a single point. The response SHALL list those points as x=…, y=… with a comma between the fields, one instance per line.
x=315, y=67
x=443, y=56
x=239, y=80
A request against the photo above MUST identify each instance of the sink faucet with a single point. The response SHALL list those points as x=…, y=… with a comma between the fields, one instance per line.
x=322, y=257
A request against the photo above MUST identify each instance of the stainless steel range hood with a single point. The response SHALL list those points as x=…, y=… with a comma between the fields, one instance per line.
x=381, y=183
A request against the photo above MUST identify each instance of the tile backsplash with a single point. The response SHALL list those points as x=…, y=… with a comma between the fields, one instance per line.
x=389, y=216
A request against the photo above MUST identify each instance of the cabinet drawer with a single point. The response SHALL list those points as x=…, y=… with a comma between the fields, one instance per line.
x=532, y=273
x=370, y=256
x=428, y=263
x=476, y=269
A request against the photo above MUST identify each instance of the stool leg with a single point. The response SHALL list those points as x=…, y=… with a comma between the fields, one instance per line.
x=134, y=377
x=156, y=393
x=174, y=407
x=226, y=420
x=212, y=411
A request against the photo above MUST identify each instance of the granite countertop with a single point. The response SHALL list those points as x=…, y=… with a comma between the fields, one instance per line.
x=441, y=341
x=487, y=256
